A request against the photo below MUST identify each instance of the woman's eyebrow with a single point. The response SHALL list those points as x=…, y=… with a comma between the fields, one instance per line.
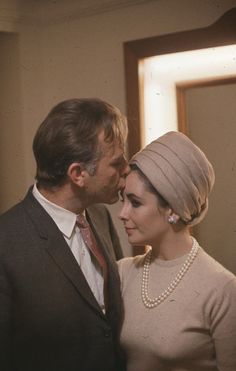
x=132, y=195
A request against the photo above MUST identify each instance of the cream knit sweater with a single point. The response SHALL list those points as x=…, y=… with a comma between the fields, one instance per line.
x=194, y=329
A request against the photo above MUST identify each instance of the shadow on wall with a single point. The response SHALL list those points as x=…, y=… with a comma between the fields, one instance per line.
x=11, y=137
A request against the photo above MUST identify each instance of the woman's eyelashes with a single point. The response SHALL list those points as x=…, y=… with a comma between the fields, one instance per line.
x=134, y=202
x=132, y=199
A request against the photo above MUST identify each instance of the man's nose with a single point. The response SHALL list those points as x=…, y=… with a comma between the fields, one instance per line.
x=126, y=169
x=123, y=175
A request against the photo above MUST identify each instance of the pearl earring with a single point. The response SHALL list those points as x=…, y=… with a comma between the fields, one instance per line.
x=172, y=219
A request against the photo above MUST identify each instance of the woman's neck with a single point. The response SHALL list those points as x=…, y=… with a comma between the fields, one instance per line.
x=173, y=246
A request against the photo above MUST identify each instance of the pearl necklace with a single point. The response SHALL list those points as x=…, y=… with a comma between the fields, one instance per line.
x=151, y=303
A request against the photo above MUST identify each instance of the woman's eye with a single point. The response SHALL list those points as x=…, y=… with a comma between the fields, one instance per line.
x=135, y=203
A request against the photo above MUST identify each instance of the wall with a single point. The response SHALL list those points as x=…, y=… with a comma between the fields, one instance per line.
x=82, y=56
x=211, y=113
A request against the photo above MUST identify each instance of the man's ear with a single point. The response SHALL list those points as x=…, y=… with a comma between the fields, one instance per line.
x=76, y=173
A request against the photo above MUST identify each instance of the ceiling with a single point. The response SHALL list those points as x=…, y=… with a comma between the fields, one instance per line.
x=61, y=10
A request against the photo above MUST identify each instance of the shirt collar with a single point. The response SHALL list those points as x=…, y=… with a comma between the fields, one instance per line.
x=64, y=219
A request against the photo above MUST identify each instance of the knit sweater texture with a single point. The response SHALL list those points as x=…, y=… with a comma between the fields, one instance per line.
x=194, y=329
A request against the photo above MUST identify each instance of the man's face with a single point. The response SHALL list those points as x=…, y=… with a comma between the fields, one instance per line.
x=109, y=179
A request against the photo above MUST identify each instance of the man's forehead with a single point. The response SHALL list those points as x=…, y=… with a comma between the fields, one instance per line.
x=115, y=153
x=112, y=149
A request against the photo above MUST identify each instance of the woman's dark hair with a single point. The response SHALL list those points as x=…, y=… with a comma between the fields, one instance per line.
x=161, y=201
x=70, y=134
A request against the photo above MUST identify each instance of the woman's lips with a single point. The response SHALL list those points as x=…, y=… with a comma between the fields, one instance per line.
x=129, y=230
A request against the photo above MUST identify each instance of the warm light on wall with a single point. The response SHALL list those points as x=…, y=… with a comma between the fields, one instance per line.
x=160, y=74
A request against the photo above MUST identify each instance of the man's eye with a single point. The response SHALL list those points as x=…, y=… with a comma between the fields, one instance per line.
x=115, y=165
x=118, y=165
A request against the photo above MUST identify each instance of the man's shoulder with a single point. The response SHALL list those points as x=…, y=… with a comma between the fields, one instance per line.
x=11, y=227
x=98, y=211
x=17, y=212
x=12, y=212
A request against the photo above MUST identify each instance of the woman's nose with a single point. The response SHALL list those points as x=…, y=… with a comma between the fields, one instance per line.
x=123, y=213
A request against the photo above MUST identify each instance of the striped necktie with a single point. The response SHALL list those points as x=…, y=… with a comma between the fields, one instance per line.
x=90, y=241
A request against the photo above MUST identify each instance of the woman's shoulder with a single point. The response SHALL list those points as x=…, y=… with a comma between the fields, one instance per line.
x=129, y=264
x=131, y=261
x=214, y=270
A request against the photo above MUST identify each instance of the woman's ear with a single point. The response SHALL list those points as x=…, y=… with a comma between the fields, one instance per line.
x=172, y=218
x=76, y=174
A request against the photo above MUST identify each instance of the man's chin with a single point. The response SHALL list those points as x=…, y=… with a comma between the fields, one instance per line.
x=112, y=200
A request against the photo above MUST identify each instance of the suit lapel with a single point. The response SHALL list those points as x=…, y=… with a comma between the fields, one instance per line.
x=53, y=242
x=62, y=256
x=115, y=307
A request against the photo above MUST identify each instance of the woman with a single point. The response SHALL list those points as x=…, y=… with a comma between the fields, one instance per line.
x=180, y=304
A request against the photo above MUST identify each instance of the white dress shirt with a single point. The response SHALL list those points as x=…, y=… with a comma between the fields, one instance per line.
x=66, y=222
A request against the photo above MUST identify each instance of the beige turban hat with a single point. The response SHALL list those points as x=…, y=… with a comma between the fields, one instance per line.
x=180, y=172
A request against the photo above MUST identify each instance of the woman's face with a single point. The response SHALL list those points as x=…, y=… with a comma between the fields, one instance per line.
x=145, y=221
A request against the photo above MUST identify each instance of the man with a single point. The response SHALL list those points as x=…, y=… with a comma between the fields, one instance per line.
x=60, y=306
